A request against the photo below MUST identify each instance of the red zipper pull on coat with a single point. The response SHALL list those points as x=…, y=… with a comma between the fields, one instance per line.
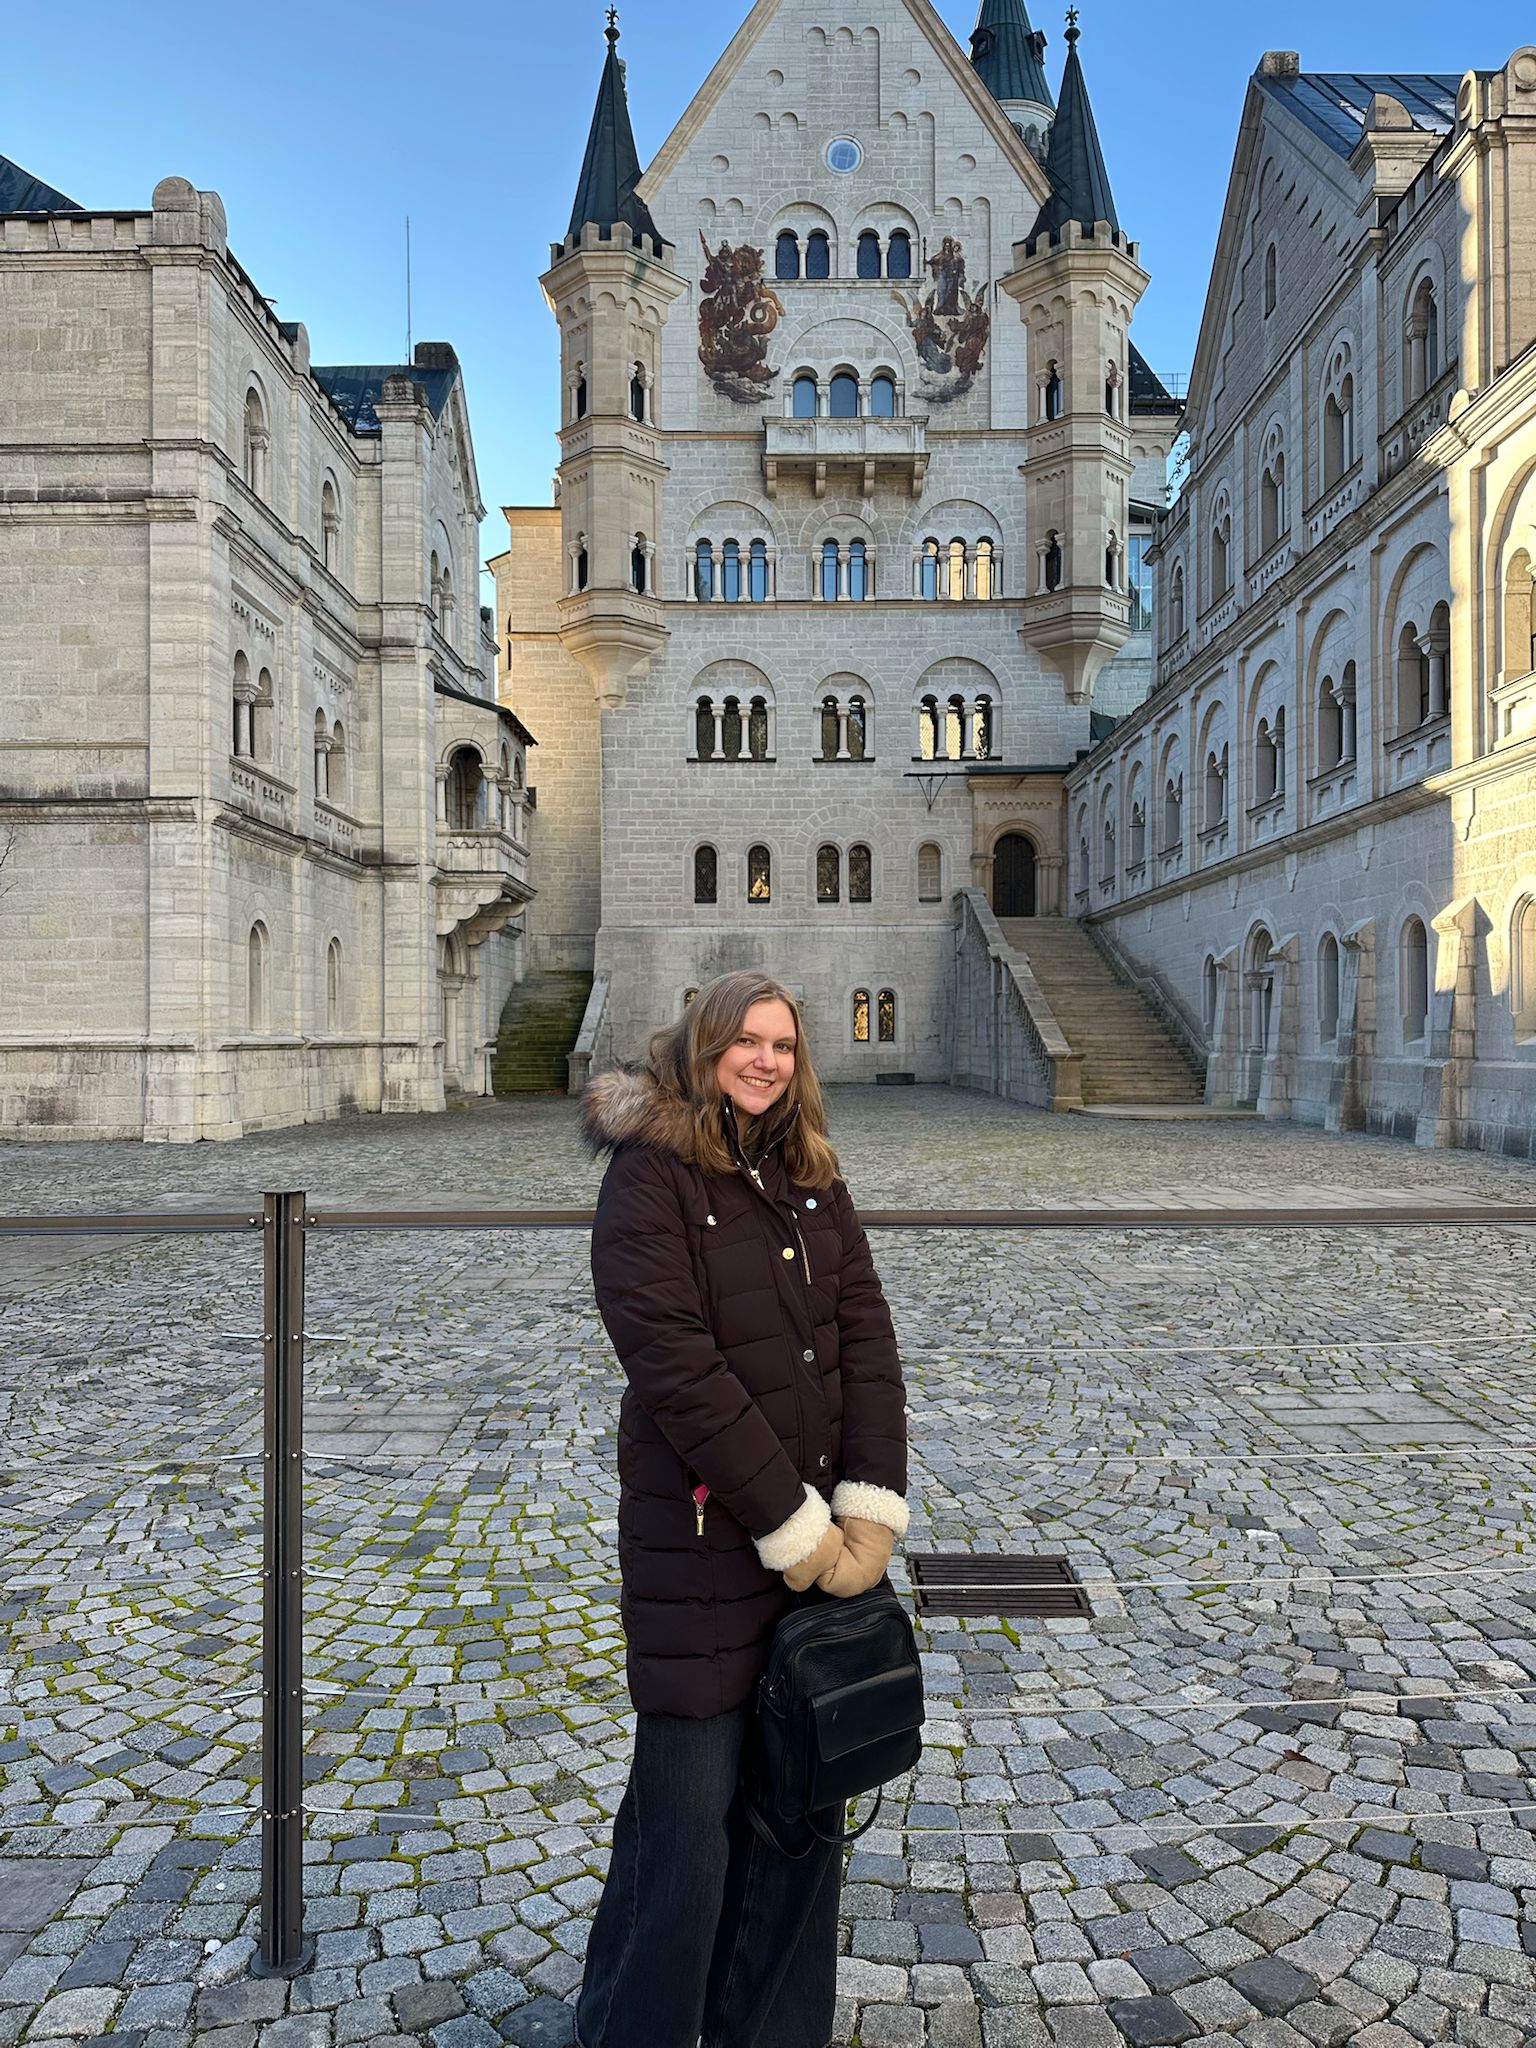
x=700, y=1495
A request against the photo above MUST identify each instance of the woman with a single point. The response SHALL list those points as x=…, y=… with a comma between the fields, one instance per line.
x=762, y=1448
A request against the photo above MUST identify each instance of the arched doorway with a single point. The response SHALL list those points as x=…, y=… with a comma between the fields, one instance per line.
x=1013, y=876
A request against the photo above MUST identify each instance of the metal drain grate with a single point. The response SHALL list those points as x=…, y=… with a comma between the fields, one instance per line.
x=957, y=1583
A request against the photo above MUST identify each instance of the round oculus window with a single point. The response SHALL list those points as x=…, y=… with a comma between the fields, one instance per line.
x=844, y=154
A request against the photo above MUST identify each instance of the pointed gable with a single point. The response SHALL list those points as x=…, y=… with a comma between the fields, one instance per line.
x=20, y=192
x=610, y=170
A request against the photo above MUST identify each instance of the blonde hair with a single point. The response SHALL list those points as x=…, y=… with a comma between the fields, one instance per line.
x=683, y=1059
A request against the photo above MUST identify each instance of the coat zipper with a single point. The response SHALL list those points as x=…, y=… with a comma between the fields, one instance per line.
x=805, y=1272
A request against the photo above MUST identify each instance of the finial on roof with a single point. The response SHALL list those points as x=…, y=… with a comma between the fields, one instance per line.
x=1074, y=161
x=1073, y=31
x=612, y=30
x=610, y=170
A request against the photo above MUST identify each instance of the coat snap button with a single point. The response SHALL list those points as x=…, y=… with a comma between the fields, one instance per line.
x=710, y=1221
x=809, y=1357
x=789, y=1251
x=822, y=1459
x=811, y=1202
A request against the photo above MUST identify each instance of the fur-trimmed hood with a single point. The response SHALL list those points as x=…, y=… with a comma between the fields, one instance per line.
x=629, y=1106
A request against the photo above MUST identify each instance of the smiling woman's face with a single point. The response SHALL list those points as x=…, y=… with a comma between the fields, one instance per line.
x=756, y=1070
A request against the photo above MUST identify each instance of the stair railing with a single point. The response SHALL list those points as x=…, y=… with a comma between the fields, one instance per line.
x=1160, y=997
x=1006, y=1039
x=590, y=1039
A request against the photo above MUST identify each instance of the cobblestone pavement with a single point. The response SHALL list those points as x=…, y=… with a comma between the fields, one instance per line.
x=1277, y=1790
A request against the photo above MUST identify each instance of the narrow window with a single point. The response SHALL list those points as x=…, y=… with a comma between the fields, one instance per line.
x=829, y=723
x=928, y=570
x=730, y=572
x=843, y=398
x=860, y=875
x=730, y=730
x=882, y=398
x=1173, y=815
x=1271, y=279
x=928, y=729
x=861, y=1016
x=336, y=765
x=786, y=254
x=804, y=398
x=1522, y=977
x=1053, y=562
x=757, y=729
x=954, y=729
x=638, y=565
x=706, y=875
x=829, y=875
x=985, y=578
x=688, y=996
x=322, y=756
x=1140, y=583
x=955, y=586
x=244, y=736
x=257, y=992
x=703, y=571
x=1055, y=392
x=1210, y=984
x=867, y=262
x=757, y=572
x=1415, y=980
x=885, y=1010
x=759, y=875
x=637, y=394
x=981, y=729
x=858, y=571
x=580, y=401
x=1328, y=989
x=330, y=526
x=1138, y=833
x=898, y=254
x=1176, y=602
x=333, y=1014
x=857, y=729
x=929, y=874
x=581, y=568
x=818, y=254
x=829, y=571
x=704, y=729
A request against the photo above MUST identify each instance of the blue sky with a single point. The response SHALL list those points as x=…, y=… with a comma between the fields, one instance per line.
x=322, y=134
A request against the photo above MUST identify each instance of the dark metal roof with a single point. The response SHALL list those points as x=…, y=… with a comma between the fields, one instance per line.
x=610, y=170
x=1074, y=161
x=355, y=387
x=1006, y=53
x=1148, y=391
x=1333, y=104
x=20, y=192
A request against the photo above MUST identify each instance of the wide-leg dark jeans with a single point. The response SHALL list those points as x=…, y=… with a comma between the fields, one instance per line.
x=702, y=1928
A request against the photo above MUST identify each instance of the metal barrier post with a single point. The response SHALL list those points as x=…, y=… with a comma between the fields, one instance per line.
x=283, y=1950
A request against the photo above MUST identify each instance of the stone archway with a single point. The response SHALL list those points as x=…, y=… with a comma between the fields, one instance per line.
x=1015, y=887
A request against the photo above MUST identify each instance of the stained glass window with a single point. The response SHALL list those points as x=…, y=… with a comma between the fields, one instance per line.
x=859, y=875
x=887, y=1016
x=861, y=1016
x=829, y=866
x=759, y=875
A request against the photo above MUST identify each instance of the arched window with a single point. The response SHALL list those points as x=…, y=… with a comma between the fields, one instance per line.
x=1266, y=773
x=803, y=397
x=336, y=765
x=581, y=562
x=885, y=1016
x=858, y=571
x=579, y=394
x=334, y=1018
x=757, y=729
x=1053, y=561
x=1271, y=279
x=882, y=397
x=462, y=793
x=858, y=729
x=1215, y=788
x=1519, y=617
x=703, y=571
x=1138, y=847
x=689, y=995
x=1112, y=563
x=637, y=393
x=1522, y=967
x=1421, y=341
x=243, y=737
x=1176, y=601
x=1260, y=983
x=786, y=254
x=843, y=396
x=1338, y=418
x=1173, y=814
x=954, y=728
x=860, y=875
x=861, y=1016
x=1413, y=680
x=759, y=875
x=829, y=724
x=322, y=756
x=954, y=585
x=258, y=993
x=1221, y=549
x=757, y=572
x=928, y=729
x=829, y=874
x=985, y=576
x=867, y=260
x=704, y=729
x=639, y=565
x=1055, y=391
x=898, y=254
x=257, y=444
x=981, y=728
x=829, y=589
x=330, y=526
x=1415, y=981
x=1107, y=849
x=706, y=875
x=1328, y=988
x=730, y=572
x=1272, y=492
x=1209, y=983
x=731, y=730
x=818, y=254
x=1439, y=658
x=1112, y=390
x=928, y=569
x=929, y=874
x=264, y=717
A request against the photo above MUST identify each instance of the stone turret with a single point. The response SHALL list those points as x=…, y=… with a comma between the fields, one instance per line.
x=1077, y=281
x=1007, y=56
x=610, y=284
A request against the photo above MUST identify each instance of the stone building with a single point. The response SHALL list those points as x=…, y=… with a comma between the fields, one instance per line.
x=1314, y=845
x=264, y=821
x=858, y=470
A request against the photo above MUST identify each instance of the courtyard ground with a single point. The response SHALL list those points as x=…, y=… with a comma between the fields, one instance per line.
x=1277, y=1790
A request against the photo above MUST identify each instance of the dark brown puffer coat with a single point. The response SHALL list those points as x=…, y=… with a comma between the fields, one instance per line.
x=761, y=1363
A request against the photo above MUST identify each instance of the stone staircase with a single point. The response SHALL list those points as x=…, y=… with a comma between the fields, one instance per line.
x=1127, y=1055
x=539, y=1025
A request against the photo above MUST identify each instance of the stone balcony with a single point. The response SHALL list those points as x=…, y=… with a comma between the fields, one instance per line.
x=868, y=450
x=482, y=879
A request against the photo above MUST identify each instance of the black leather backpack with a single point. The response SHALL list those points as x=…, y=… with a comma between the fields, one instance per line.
x=839, y=1712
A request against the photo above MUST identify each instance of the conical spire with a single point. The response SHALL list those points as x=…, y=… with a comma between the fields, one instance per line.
x=1006, y=54
x=610, y=170
x=1074, y=161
